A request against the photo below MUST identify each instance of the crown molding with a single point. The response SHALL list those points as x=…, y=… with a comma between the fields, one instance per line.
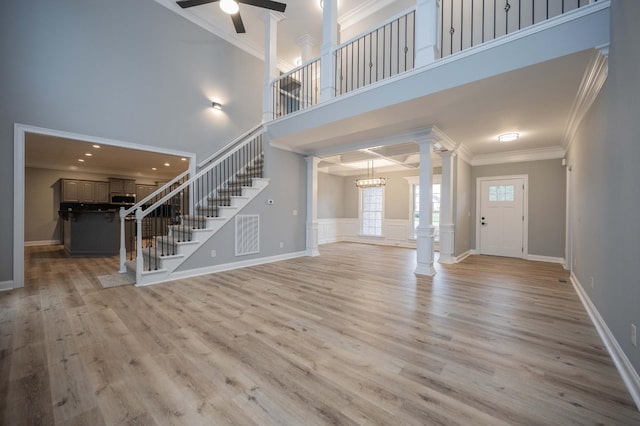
x=592, y=82
x=551, y=153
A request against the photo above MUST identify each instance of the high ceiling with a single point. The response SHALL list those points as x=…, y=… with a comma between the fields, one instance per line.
x=302, y=20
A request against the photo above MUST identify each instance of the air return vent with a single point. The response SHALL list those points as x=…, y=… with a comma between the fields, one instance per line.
x=247, y=234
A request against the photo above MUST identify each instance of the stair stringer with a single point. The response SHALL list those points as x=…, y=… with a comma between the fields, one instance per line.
x=168, y=264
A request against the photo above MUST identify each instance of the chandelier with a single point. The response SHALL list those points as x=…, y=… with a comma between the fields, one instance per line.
x=370, y=181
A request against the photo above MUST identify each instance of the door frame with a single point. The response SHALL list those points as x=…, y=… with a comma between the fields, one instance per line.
x=525, y=210
x=19, y=136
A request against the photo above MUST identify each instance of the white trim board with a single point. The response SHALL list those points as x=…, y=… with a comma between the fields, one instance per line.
x=550, y=259
x=626, y=370
x=229, y=266
x=19, y=132
x=42, y=243
x=6, y=285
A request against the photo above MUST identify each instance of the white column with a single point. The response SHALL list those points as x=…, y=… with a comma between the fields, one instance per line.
x=306, y=78
x=427, y=32
x=424, y=232
x=306, y=47
x=271, y=20
x=312, y=206
x=329, y=42
x=447, y=226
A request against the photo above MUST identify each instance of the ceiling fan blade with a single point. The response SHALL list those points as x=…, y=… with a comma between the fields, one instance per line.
x=237, y=22
x=266, y=4
x=190, y=3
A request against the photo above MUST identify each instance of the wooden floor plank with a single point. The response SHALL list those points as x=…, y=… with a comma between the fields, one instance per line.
x=348, y=337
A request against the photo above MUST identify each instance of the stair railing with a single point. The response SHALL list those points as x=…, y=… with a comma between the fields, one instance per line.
x=127, y=218
x=196, y=200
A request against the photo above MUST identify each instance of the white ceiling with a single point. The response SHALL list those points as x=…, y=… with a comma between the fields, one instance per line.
x=51, y=152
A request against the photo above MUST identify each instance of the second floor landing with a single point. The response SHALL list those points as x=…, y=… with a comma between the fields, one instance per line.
x=534, y=81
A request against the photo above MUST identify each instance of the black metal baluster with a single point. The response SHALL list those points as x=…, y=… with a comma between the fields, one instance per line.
x=483, y=19
x=461, y=22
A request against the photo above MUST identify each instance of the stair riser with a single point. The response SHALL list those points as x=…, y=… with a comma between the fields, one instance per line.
x=194, y=238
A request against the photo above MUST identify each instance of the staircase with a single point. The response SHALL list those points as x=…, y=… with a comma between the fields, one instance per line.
x=186, y=213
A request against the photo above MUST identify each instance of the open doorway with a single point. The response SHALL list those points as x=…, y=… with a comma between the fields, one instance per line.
x=44, y=158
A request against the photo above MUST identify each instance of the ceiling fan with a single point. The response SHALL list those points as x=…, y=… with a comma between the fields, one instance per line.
x=231, y=7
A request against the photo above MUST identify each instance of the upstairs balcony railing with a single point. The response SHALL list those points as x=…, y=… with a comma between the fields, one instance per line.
x=298, y=89
x=468, y=23
x=384, y=52
x=390, y=49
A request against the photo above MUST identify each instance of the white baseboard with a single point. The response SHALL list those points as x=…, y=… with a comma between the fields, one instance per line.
x=6, y=285
x=42, y=243
x=234, y=265
x=538, y=258
x=626, y=370
x=463, y=256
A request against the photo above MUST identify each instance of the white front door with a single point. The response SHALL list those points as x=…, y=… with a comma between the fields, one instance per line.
x=502, y=216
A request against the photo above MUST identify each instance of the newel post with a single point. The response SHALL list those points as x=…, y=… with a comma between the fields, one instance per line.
x=123, y=247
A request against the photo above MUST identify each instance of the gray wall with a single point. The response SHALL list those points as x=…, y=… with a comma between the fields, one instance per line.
x=462, y=207
x=330, y=196
x=126, y=70
x=606, y=192
x=547, y=189
x=278, y=224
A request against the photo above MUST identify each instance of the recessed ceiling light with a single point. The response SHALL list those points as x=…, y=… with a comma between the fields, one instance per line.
x=167, y=164
x=154, y=168
x=96, y=146
x=88, y=154
x=81, y=160
x=183, y=159
x=508, y=137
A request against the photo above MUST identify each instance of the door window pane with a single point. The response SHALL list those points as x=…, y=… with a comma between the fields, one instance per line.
x=501, y=193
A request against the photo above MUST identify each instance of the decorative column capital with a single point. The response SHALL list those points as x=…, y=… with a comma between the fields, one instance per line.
x=272, y=15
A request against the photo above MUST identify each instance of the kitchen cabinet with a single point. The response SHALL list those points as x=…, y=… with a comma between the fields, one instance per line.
x=87, y=192
x=70, y=191
x=143, y=191
x=102, y=192
x=122, y=186
x=84, y=191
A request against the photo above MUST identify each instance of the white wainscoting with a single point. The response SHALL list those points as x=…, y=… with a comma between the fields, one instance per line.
x=396, y=232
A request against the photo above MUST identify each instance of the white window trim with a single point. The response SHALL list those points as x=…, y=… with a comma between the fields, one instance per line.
x=382, y=234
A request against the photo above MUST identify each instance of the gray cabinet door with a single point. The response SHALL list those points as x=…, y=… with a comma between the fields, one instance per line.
x=102, y=192
x=87, y=192
x=70, y=191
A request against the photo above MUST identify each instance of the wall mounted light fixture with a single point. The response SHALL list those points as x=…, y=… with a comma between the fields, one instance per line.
x=216, y=105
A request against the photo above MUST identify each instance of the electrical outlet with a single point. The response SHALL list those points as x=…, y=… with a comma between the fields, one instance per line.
x=295, y=212
x=281, y=244
x=213, y=253
x=633, y=335
x=591, y=281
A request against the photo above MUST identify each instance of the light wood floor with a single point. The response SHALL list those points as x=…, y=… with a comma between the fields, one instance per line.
x=350, y=337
